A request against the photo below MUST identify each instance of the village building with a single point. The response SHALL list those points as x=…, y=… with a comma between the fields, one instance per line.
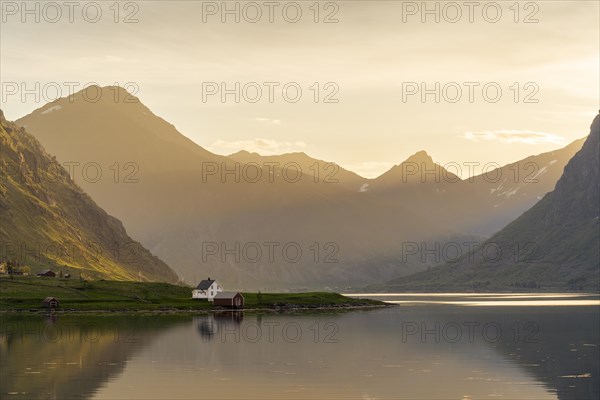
x=46, y=273
x=229, y=300
x=51, y=303
x=206, y=290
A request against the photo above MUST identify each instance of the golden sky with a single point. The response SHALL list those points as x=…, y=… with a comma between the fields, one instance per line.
x=373, y=55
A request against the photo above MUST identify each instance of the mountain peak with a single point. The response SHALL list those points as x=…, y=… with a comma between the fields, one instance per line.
x=74, y=214
x=420, y=157
x=562, y=229
x=419, y=167
x=94, y=94
x=595, y=127
x=243, y=153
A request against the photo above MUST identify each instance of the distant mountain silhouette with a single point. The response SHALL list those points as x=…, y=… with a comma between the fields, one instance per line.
x=178, y=198
x=480, y=205
x=555, y=244
x=322, y=171
x=176, y=208
x=418, y=168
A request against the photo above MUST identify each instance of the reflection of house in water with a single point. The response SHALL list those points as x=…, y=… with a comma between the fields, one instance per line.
x=212, y=325
x=206, y=326
x=51, y=319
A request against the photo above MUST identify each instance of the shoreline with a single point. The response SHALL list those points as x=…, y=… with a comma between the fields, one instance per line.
x=199, y=311
x=23, y=296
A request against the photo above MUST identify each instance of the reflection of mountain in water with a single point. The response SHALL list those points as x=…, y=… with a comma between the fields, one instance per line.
x=566, y=357
x=67, y=357
x=559, y=349
x=323, y=355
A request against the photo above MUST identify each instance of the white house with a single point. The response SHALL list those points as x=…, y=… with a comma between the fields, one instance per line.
x=206, y=290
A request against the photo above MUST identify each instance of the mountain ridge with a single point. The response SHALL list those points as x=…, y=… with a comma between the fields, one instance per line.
x=184, y=198
x=555, y=244
x=50, y=222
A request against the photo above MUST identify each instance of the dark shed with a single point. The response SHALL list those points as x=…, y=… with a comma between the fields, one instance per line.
x=229, y=299
x=50, y=302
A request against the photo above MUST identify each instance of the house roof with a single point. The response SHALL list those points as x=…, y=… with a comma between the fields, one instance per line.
x=49, y=299
x=45, y=271
x=227, y=295
x=205, y=284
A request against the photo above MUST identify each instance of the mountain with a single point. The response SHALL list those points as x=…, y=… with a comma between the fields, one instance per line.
x=322, y=171
x=47, y=221
x=555, y=244
x=514, y=188
x=480, y=205
x=132, y=150
x=418, y=168
x=209, y=215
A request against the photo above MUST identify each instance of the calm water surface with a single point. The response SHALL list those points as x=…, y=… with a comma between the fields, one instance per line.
x=428, y=347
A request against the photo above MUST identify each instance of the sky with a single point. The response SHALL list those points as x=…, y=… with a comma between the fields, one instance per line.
x=367, y=83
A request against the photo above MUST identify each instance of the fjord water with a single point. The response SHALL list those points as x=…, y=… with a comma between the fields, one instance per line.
x=427, y=347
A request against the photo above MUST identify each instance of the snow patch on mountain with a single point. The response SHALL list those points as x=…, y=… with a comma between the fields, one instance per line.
x=52, y=109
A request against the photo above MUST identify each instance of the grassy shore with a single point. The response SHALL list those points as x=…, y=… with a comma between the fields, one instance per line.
x=27, y=293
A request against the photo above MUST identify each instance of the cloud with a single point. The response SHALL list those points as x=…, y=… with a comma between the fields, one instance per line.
x=514, y=136
x=265, y=147
x=268, y=121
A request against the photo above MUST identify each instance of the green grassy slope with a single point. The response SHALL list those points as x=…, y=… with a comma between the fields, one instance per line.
x=47, y=221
